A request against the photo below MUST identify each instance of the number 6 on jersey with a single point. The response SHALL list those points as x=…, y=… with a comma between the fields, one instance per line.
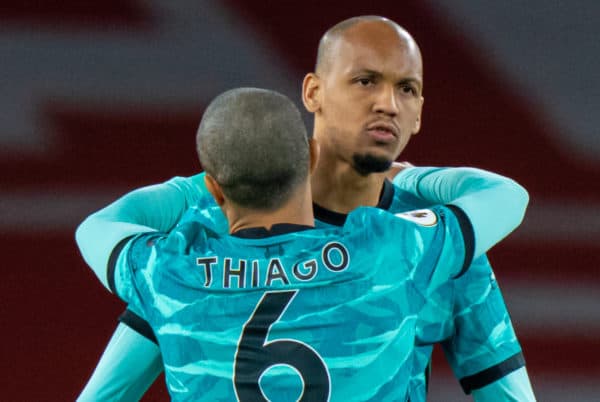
x=255, y=355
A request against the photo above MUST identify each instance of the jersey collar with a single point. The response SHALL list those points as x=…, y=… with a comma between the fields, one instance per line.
x=336, y=218
x=277, y=229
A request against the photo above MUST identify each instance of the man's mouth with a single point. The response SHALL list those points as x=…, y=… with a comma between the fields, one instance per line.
x=382, y=133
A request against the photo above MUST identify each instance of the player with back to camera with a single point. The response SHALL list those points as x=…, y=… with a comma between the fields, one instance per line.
x=279, y=309
x=366, y=95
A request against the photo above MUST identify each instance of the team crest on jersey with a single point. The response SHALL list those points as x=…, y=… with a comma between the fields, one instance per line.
x=423, y=217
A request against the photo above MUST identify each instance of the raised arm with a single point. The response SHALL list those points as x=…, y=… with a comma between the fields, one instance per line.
x=504, y=198
x=494, y=204
x=157, y=207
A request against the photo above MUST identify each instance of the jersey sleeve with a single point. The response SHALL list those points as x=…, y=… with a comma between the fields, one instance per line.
x=436, y=244
x=447, y=245
x=131, y=273
x=134, y=321
x=147, y=262
x=512, y=387
x=494, y=204
x=152, y=208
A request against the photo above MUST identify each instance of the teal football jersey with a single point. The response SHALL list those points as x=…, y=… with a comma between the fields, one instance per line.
x=468, y=316
x=295, y=312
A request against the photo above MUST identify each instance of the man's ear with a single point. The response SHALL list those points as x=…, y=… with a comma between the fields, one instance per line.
x=214, y=189
x=314, y=150
x=311, y=93
x=417, y=126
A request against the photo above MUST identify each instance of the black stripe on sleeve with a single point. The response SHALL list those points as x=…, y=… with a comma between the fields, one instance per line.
x=427, y=376
x=493, y=373
x=112, y=263
x=138, y=324
x=468, y=235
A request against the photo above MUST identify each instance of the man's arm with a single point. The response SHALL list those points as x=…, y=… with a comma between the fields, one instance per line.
x=127, y=368
x=151, y=208
x=482, y=316
x=482, y=195
x=131, y=363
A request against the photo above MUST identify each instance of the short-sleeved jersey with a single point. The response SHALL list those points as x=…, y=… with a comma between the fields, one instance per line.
x=477, y=335
x=329, y=313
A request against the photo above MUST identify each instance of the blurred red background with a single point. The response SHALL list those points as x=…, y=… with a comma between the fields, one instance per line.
x=103, y=97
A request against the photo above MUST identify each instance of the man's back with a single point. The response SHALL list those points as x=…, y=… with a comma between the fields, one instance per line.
x=296, y=310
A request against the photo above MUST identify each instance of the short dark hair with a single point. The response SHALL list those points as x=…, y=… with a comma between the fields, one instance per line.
x=253, y=142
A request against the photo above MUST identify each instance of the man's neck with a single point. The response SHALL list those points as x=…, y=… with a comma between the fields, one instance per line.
x=338, y=187
x=297, y=210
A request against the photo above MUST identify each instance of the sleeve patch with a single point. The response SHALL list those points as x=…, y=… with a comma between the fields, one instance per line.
x=422, y=217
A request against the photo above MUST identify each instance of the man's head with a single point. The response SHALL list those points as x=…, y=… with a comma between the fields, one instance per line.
x=254, y=144
x=366, y=92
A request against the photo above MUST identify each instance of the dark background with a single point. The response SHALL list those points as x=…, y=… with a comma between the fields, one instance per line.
x=101, y=97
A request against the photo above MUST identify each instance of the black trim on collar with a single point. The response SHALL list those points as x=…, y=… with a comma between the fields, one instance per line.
x=138, y=324
x=277, y=229
x=492, y=374
x=329, y=216
x=387, y=195
x=338, y=219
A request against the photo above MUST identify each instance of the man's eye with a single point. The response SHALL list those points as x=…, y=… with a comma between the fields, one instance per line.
x=365, y=81
x=408, y=89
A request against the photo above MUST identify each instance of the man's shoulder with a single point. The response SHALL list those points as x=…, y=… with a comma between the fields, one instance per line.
x=404, y=200
x=188, y=181
x=210, y=218
x=187, y=235
x=377, y=218
x=193, y=189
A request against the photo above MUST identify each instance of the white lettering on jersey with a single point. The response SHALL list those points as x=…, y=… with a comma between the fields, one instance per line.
x=243, y=273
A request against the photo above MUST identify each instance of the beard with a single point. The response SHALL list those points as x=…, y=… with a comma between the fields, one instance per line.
x=367, y=164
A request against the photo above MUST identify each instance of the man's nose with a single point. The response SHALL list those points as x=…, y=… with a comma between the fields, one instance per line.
x=386, y=101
